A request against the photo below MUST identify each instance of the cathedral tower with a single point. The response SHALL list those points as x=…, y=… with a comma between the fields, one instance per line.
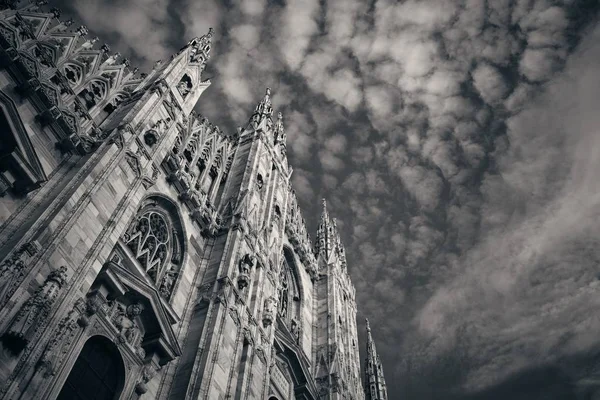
x=338, y=364
x=375, y=388
x=144, y=252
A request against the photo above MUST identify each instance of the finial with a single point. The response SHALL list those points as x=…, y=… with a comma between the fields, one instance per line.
x=112, y=59
x=88, y=44
x=82, y=31
x=263, y=111
x=324, y=204
x=56, y=13
x=105, y=48
x=279, y=130
x=368, y=326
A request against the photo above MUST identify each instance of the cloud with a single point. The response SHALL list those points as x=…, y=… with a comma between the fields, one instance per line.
x=423, y=184
x=137, y=22
x=300, y=141
x=298, y=27
x=536, y=268
x=489, y=83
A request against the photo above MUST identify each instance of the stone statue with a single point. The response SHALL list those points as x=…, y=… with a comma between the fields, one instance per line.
x=88, y=44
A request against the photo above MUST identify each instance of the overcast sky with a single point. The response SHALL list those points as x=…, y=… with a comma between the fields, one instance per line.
x=458, y=144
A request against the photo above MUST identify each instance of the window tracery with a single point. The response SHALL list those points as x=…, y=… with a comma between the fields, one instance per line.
x=73, y=74
x=156, y=246
x=149, y=241
x=93, y=94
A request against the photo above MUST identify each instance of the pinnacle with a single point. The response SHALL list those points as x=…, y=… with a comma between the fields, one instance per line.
x=368, y=326
x=263, y=111
x=324, y=213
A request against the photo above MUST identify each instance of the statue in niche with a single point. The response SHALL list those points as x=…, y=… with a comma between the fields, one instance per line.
x=259, y=182
x=184, y=86
x=283, y=292
x=295, y=329
x=167, y=282
x=245, y=267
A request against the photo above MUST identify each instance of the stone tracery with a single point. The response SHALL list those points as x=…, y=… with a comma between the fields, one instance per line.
x=154, y=243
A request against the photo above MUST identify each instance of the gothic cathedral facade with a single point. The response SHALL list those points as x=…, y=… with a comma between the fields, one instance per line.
x=144, y=252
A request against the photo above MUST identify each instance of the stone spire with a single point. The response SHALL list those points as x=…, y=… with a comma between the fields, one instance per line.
x=375, y=388
x=280, y=137
x=263, y=113
x=329, y=240
x=200, y=48
x=323, y=244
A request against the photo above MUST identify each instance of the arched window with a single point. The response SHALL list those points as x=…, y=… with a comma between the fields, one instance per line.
x=155, y=241
x=289, y=293
x=97, y=374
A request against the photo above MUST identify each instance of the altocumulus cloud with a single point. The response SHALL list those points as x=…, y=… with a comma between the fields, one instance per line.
x=456, y=141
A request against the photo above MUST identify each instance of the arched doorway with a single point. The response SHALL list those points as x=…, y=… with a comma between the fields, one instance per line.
x=98, y=373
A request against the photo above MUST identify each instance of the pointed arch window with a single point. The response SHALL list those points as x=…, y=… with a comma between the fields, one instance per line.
x=156, y=244
x=289, y=291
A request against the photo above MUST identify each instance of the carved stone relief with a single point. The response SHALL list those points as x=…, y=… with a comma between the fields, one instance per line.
x=34, y=312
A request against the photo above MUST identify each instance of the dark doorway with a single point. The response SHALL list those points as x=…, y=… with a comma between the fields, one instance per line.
x=98, y=373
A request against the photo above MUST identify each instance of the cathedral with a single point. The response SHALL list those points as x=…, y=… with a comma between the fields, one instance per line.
x=144, y=252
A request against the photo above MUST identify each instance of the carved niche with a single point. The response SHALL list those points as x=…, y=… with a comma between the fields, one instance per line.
x=269, y=311
x=184, y=87
x=34, y=312
x=245, y=269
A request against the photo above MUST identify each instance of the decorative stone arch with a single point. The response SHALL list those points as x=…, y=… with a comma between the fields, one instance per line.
x=290, y=280
x=156, y=243
x=98, y=369
x=94, y=93
x=109, y=105
x=20, y=167
x=297, y=365
x=74, y=72
x=46, y=52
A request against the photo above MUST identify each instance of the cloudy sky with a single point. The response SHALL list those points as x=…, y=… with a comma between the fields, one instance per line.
x=457, y=143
